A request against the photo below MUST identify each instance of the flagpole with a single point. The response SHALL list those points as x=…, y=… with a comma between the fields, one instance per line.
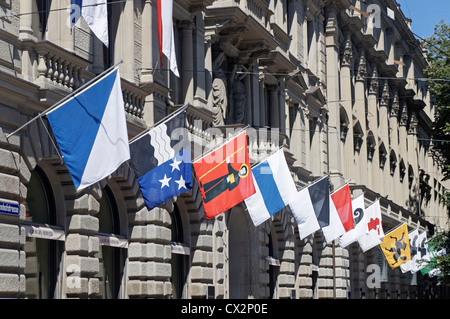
x=165, y=119
x=267, y=156
x=226, y=141
x=81, y=88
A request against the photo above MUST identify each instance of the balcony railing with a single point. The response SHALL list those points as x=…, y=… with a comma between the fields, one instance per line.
x=63, y=72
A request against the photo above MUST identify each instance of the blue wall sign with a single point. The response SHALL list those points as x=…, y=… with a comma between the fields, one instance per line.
x=9, y=208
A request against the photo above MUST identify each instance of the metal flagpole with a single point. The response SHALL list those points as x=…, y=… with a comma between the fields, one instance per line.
x=81, y=88
x=165, y=119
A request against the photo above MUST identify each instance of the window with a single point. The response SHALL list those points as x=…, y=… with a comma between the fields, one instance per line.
x=44, y=10
x=180, y=255
x=43, y=254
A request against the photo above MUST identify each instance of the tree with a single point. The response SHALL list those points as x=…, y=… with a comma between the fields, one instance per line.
x=438, y=72
x=439, y=264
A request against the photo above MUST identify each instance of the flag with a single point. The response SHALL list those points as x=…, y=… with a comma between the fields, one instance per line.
x=320, y=199
x=162, y=162
x=91, y=131
x=413, y=248
x=166, y=34
x=335, y=227
x=342, y=199
x=313, y=209
x=374, y=230
x=95, y=13
x=359, y=219
x=224, y=176
x=274, y=187
x=303, y=211
x=421, y=252
x=395, y=246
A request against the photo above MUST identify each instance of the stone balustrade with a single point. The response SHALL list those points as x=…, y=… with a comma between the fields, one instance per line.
x=59, y=69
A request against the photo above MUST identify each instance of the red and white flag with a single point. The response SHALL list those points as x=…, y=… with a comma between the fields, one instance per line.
x=224, y=176
x=342, y=199
x=165, y=32
x=374, y=229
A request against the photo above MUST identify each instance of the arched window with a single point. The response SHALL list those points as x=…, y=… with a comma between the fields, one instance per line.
x=43, y=247
x=111, y=254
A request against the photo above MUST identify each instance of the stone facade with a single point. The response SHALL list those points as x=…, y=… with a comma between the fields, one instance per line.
x=339, y=91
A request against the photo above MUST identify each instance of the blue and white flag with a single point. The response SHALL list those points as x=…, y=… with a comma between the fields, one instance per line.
x=161, y=160
x=91, y=131
x=274, y=188
x=95, y=13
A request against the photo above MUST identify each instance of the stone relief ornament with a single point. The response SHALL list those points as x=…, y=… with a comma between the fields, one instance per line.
x=219, y=100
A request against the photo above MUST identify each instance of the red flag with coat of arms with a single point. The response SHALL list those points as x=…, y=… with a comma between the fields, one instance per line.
x=224, y=176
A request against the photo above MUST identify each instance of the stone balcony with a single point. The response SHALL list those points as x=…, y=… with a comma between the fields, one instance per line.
x=58, y=72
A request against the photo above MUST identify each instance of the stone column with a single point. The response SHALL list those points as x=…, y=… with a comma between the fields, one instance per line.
x=413, y=160
x=360, y=113
x=187, y=71
x=372, y=121
x=149, y=252
x=333, y=139
x=346, y=100
x=149, y=41
x=274, y=111
x=200, y=98
x=255, y=108
x=262, y=99
x=26, y=20
x=81, y=245
x=208, y=68
x=393, y=125
x=13, y=176
x=403, y=154
x=384, y=136
x=124, y=46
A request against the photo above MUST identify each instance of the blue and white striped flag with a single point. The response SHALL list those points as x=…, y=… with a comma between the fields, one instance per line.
x=274, y=188
x=91, y=131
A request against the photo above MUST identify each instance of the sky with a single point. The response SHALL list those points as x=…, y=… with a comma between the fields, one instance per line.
x=425, y=14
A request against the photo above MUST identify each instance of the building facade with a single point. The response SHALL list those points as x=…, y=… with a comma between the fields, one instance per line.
x=340, y=90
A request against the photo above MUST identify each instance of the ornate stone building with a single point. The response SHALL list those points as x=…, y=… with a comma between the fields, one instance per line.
x=339, y=90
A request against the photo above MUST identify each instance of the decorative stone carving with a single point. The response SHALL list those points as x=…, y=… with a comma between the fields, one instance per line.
x=404, y=116
x=374, y=84
x=395, y=105
x=219, y=100
x=385, y=96
x=347, y=57
x=413, y=124
x=361, y=73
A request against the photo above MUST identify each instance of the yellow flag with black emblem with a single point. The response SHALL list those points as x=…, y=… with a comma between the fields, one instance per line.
x=395, y=246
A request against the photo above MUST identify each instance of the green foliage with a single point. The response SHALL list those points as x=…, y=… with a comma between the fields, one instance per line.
x=438, y=71
x=441, y=263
